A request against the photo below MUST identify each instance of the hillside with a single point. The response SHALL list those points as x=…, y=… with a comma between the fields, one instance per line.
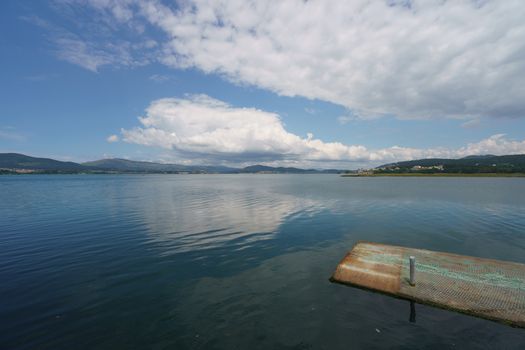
x=19, y=163
x=125, y=165
x=467, y=165
x=285, y=170
x=23, y=162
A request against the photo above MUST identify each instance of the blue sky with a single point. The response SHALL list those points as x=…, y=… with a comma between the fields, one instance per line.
x=236, y=82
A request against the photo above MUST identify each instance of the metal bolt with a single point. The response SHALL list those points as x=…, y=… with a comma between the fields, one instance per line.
x=412, y=270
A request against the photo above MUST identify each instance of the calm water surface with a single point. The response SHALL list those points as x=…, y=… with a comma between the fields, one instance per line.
x=237, y=261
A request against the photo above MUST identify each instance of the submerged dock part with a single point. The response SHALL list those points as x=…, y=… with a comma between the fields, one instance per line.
x=485, y=288
x=412, y=260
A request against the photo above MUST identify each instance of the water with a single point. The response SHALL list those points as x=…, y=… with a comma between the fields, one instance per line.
x=237, y=261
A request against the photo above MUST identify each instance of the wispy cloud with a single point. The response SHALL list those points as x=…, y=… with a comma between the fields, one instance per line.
x=112, y=138
x=431, y=59
x=345, y=119
x=92, y=55
x=94, y=45
x=310, y=110
x=11, y=134
x=40, y=77
x=76, y=51
x=471, y=124
x=159, y=78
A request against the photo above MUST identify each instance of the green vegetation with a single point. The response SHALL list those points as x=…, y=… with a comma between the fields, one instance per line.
x=479, y=166
x=14, y=162
x=439, y=174
x=472, y=165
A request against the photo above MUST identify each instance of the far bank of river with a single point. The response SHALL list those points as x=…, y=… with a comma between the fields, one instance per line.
x=438, y=175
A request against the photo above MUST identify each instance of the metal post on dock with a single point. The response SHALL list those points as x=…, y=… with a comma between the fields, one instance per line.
x=412, y=270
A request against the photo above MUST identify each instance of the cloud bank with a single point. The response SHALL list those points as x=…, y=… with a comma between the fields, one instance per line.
x=408, y=58
x=204, y=127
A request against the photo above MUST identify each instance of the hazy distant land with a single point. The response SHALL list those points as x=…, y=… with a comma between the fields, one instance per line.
x=14, y=163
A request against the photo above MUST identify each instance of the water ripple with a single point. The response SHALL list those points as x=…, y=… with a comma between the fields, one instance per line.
x=235, y=261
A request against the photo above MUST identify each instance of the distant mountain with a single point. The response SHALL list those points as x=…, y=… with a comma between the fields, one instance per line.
x=470, y=164
x=285, y=170
x=268, y=169
x=21, y=161
x=125, y=165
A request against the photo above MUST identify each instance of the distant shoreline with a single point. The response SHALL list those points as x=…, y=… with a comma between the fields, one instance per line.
x=36, y=173
x=438, y=175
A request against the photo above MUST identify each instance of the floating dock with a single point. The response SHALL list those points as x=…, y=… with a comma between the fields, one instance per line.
x=485, y=288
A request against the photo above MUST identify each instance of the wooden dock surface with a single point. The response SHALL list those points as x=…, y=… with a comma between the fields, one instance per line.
x=484, y=288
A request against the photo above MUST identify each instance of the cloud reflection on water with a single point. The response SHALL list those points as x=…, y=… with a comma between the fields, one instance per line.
x=206, y=215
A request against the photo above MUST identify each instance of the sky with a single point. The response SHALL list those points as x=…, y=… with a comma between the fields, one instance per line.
x=322, y=84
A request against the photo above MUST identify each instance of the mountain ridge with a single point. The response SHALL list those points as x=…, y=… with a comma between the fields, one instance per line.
x=18, y=163
x=22, y=161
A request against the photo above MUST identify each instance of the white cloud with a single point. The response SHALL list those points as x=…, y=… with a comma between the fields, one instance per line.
x=496, y=144
x=201, y=127
x=112, y=138
x=410, y=59
x=413, y=59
